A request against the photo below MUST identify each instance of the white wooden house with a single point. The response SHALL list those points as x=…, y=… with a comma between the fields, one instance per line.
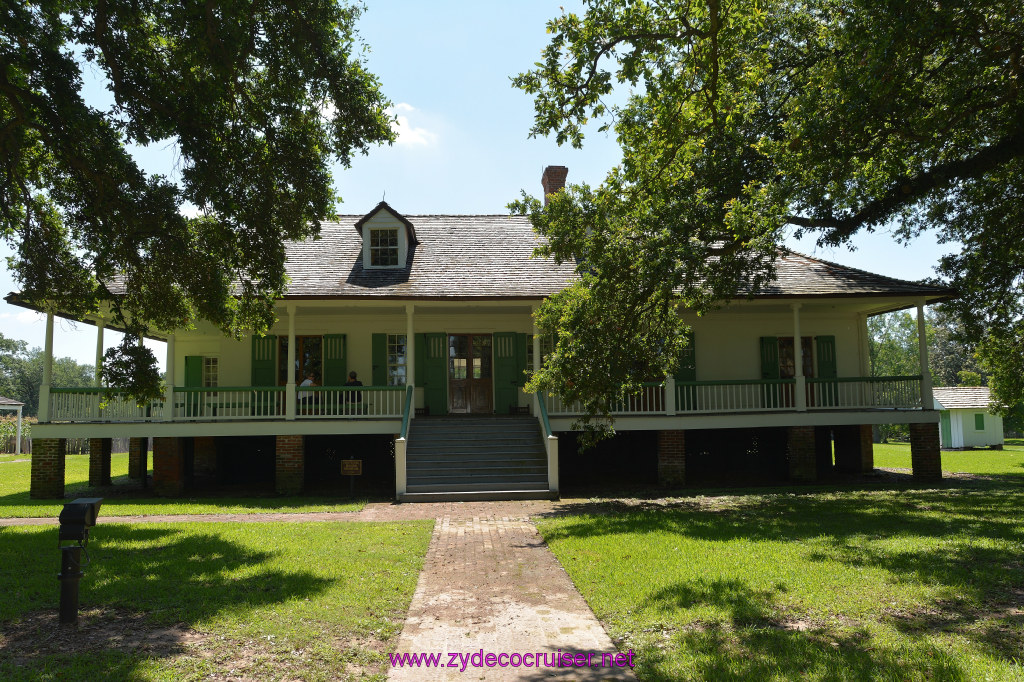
x=964, y=419
x=433, y=313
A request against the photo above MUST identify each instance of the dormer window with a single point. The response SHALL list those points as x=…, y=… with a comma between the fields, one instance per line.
x=388, y=238
x=383, y=246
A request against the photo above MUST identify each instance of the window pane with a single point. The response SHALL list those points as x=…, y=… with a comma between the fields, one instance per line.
x=396, y=360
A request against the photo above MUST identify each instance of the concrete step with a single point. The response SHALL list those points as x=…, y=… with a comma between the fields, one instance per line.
x=463, y=487
x=477, y=496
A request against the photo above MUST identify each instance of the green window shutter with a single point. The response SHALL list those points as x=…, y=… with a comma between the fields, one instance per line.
x=264, y=361
x=193, y=371
x=435, y=373
x=687, y=370
x=335, y=360
x=379, y=354
x=419, y=350
x=979, y=422
x=769, y=357
x=826, y=357
x=522, y=341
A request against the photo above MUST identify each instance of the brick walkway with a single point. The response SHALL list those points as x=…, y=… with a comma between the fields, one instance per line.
x=490, y=583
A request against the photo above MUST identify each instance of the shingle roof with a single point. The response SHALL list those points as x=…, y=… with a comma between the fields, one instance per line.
x=460, y=256
x=489, y=256
x=10, y=401
x=962, y=397
x=800, y=275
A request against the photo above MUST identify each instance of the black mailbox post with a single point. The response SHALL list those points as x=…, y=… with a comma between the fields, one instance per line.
x=77, y=517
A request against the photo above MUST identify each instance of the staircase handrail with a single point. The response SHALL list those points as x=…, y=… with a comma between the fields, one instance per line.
x=405, y=412
x=544, y=421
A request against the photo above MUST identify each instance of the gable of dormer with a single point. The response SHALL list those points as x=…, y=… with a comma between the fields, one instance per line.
x=387, y=236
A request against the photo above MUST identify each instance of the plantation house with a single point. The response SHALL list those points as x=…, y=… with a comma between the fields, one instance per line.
x=433, y=313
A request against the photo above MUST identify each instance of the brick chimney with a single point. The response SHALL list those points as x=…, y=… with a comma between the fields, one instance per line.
x=553, y=180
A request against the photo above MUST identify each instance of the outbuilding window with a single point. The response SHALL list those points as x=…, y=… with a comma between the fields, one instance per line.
x=383, y=246
x=979, y=422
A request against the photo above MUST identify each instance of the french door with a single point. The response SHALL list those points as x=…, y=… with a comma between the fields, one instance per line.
x=470, y=374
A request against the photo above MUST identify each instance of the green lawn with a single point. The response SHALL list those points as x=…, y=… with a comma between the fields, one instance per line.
x=310, y=601
x=15, y=502
x=1010, y=460
x=867, y=585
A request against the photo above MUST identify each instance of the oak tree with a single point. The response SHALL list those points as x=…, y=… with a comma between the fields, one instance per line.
x=743, y=122
x=255, y=99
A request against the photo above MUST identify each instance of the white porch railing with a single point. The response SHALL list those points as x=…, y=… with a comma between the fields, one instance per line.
x=764, y=395
x=900, y=393
x=93, y=405
x=760, y=395
x=349, y=402
x=229, y=403
x=650, y=400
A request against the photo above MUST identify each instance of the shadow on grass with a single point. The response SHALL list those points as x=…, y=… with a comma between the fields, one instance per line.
x=158, y=578
x=750, y=644
x=125, y=493
x=964, y=539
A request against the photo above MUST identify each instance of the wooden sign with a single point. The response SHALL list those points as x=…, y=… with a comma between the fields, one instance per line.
x=351, y=467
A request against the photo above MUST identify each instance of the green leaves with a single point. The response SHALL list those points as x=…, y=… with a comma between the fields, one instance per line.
x=739, y=122
x=255, y=101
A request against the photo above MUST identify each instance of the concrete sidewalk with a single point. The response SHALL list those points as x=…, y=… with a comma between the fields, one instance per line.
x=490, y=584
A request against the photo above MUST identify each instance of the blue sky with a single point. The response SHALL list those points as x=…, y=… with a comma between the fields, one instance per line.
x=462, y=145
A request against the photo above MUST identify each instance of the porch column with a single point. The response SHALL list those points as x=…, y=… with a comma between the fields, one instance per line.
x=410, y=353
x=798, y=356
x=290, y=387
x=670, y=395
x=138, y=459
x=169, y=390
x=802, y=462
x=44, y=388
x=922, y=352
x=289, y=466
x=47, y=477
x=865, y=345
x=99, y=461
x=17, y=442
x=536, y=355
x=98, y=378
x=168, y=466
x=672, y=457
x=925, y=457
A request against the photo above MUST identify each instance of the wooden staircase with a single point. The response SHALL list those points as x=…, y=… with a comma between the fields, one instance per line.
x=475, y=458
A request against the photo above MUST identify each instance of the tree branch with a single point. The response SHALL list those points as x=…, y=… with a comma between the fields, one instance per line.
x=911, y=189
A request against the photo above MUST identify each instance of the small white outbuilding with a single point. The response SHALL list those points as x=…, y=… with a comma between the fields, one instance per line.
x=964, y=419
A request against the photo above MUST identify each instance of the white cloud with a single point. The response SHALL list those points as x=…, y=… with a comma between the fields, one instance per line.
x=409, y=134
x=27, y=316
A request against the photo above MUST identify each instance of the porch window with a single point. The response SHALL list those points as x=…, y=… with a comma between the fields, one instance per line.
x=383, y=246
x=396, y=359
x=547, y=346
x=787, y=357
x=210, y=371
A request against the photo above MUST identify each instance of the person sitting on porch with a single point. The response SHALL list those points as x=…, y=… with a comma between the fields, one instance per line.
x=353, y=396
x=308, y=400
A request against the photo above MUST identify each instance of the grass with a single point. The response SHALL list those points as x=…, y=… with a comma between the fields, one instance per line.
x=311, y=601
x=15, y=501
x=1010, y=460
x=873, y=585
